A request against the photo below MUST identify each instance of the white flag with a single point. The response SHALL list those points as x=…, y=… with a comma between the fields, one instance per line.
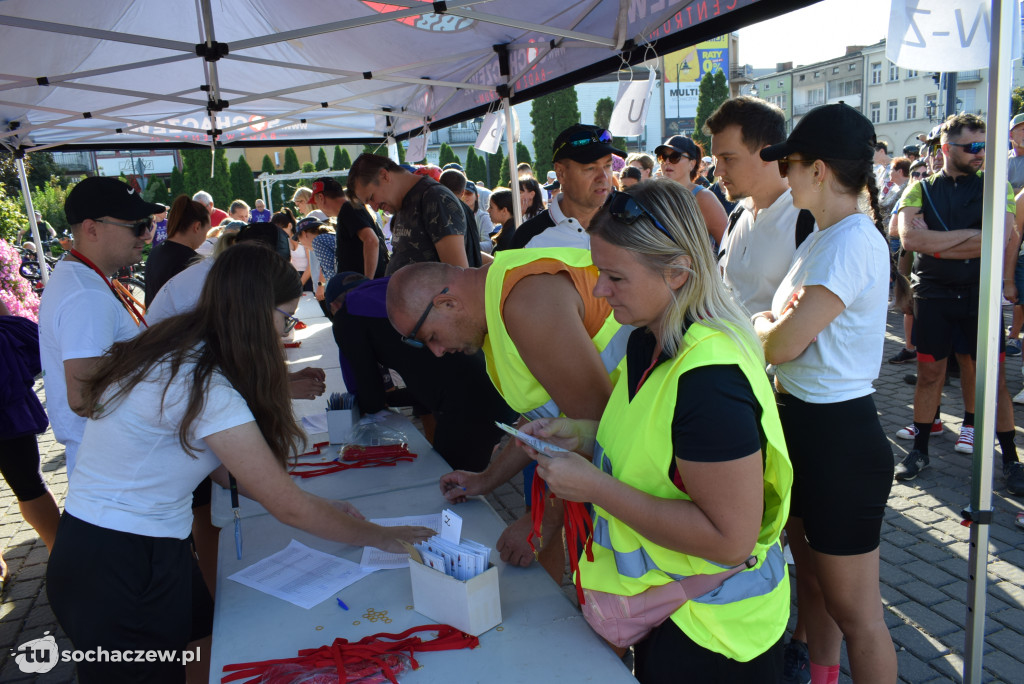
x=630, y=111
x=392, y=149
x=944, y=35
x=417, y=148
x=491, y=131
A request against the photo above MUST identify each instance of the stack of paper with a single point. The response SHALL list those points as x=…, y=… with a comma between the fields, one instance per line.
x=462, y=560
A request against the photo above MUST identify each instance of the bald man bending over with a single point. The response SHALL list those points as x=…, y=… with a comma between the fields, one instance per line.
x=550, y=347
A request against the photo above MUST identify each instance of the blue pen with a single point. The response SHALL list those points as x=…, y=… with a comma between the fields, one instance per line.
x=342, y=604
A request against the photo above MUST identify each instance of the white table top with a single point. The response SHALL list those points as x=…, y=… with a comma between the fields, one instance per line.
x=427, y=469
x=543, y=637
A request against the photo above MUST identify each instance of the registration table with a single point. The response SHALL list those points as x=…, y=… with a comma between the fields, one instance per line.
x=542, y=638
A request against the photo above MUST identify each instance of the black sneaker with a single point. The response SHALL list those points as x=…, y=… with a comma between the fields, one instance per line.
x=1013, y=475
x=914, y=463
x=904, y=356
x=796, y=668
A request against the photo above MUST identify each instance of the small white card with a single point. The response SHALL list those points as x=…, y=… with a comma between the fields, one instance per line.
x=451, y=526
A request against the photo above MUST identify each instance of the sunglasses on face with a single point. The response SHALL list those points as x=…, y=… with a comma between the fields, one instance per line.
x=290, y=321
x=138, y=228
x=672, y=157
x=410, y=339
x=602, y=137
x=625, y=209
x=917, y=174
x=970, y=148
x=786, y=161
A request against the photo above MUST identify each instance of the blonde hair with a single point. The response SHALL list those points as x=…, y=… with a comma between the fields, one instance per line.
x=703, y=297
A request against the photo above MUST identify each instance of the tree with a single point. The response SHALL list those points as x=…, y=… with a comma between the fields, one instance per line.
x=196, y=169
x=448, y=156
x=309, y=167
x=151, y=187
x=475, y=168
x=220, y=184
x=603, y=119
x=496, y=162
x=41, y=167
x=712, y=93
x=291, y=161
x=268, y=165
x=321, y=161
x=523, y=154
x=177, y=184
x=346, y=161
x=337, y=163
x=551, y=114
x=242, y=185
x=160, y=193
x=1017, y=101
x=48, y=200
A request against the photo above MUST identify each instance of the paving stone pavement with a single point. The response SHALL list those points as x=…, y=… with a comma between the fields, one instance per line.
x=923, y=568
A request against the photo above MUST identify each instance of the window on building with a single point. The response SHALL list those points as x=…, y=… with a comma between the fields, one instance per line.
x=894, y=106
x=875, y=110
x=853, y=66
x=912, y=73
x=803, y=76
x=835, y=70
x=780, y=83
x=816, y=97
x=767, y=86
x=966, y=101
x=912, y=107
x=817, y=74
x=850, y=86
x=876, y=73
x=894, y=72
x=931, y=106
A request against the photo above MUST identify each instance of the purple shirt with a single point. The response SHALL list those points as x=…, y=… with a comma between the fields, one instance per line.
x=257, y=216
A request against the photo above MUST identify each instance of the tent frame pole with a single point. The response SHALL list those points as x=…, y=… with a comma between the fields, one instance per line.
x=513, y=177
x=19, y=162
x=992, y=250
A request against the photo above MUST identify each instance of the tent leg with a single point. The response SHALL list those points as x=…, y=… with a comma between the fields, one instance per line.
x=517, y=208
x=30, y=210
x=989, y=331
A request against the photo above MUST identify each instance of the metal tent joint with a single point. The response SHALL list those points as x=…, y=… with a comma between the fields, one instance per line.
x=43, y=81
x=971, y=516
x=217, y=105
x=440, y=7
x=212, y=52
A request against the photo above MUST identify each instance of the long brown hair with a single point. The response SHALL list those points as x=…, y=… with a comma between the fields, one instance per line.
x=232, y=332
x=183, y=213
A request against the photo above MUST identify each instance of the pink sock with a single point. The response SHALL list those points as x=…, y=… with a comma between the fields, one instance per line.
x=824, y=674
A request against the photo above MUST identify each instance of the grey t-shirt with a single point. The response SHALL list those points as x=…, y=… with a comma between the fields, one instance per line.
x=429, y=212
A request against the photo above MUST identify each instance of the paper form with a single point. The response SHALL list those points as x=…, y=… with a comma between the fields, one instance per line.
x=300, y=575
x=375, y=559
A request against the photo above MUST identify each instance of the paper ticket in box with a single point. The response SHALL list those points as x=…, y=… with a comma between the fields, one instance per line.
x=473, y=605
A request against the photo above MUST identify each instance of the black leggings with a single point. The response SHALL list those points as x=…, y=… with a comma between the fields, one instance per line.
x=668, y=656
x=19, y=464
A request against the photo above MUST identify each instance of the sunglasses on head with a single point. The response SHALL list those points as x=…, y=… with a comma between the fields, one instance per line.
x=624, y=208
x=138, y=228
x=672, y=157
x=786, y=161
x=602, y=137
x=970, y=148
x=410, y=339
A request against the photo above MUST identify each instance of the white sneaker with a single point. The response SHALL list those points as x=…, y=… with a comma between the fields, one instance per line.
x=910, y=432
x=965, y=442
x=1019, y=399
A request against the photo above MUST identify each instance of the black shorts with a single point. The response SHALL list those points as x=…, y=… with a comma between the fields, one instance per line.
x=668, y=656
x=949, y=324
x=117, y=590
x=842, y=472
x=19, y=465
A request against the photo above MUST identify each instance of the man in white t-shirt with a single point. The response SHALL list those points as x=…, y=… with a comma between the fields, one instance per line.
x=760, y=239
x=80, y=316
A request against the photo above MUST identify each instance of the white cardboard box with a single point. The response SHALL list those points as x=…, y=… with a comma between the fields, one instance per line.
x=473, y=606
x=340, y=424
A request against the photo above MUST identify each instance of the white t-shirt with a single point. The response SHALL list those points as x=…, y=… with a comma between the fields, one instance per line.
x=759, y=251
x=181, y=293
x=851, y=260
x=300, y=258
x=79, y=318
x=567, y=231
x=133, y=474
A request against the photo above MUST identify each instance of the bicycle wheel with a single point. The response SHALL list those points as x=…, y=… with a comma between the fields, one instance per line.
x=136, y=287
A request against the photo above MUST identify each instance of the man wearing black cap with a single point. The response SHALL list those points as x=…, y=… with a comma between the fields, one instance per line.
x=427, y=222
x=80, y=314
x=940, y=219
x=582, y=156
x=360, y=243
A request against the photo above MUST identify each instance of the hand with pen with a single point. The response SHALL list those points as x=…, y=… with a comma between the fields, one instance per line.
x=308, y=383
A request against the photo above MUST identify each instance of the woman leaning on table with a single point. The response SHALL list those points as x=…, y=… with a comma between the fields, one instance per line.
x=199, y=393
x=692, y=477
x=825, y=334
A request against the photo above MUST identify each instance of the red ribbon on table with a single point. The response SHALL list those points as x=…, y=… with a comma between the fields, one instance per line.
x=579, y=529
x=354, y=456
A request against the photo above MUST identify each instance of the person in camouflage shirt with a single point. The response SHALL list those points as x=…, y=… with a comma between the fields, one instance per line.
x=427, y=224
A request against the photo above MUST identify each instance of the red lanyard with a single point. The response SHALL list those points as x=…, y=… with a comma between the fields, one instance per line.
x=354, y=456
x=579, y=529
x=125, y=302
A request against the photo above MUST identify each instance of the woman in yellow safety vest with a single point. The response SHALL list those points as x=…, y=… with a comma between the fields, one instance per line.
x=687, y=469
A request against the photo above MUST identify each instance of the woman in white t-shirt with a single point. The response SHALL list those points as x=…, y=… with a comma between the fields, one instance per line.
x=202, y=393
x=824, y=334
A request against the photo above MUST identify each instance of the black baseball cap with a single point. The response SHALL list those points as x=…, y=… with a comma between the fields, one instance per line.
x=835, y=131
x=99, y=196
x=584, y=144
x=680, y=144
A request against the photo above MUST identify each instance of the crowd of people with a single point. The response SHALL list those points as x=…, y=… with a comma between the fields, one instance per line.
x=683, y=322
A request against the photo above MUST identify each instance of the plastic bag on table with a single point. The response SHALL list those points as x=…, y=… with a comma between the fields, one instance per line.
x=371, y=431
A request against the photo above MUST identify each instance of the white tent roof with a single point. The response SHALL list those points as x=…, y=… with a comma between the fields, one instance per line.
x=122, y=74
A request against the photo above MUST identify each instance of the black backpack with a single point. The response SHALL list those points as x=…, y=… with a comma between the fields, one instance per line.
x=804, y=226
